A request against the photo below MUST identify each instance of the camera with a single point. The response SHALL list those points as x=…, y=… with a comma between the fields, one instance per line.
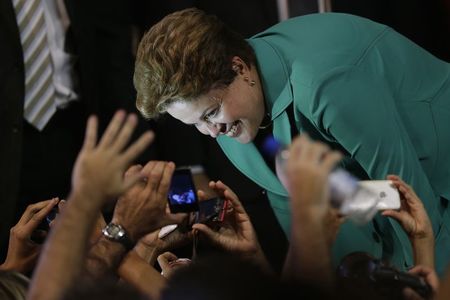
x=182, y=196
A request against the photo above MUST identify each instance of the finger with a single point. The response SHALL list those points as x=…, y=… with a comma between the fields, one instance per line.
x=147, y=169
x=39, y=216
x=138, y=147
x=131, y=180
x=61, y=205
x=393, y=177
x=393, y=214
x=235, y=203
x=90, y=136
x=133, y=170
x=154, y=177
x=111, y=131
x=319, y=151
x=404, y=185
x=306, y=148
x=201, y=195
x=411, y=198
x=125, y=133
x=32, y=209
x=295, y=148
x=223, y=186
x=164, y=184
x=330, y=160
x=165, y=258
x=208, y=232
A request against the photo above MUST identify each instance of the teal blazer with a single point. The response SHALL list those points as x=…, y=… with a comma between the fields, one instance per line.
x=367, y=90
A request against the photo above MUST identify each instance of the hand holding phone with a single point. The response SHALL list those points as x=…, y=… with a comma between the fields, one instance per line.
x=211, y=211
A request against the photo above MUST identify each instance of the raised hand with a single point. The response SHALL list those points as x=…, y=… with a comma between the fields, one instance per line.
x=22, y=251
x=99, y=168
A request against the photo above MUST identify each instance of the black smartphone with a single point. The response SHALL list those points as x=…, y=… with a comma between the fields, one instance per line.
x=182, y=195
x=211, y=210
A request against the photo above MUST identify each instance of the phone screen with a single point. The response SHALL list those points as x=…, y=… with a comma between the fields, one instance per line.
x=182, y=195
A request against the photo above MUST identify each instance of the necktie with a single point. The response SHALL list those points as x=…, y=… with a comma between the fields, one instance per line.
x=39, y=104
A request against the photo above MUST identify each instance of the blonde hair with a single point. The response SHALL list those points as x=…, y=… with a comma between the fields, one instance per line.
x=13, y=285
x=183, y=56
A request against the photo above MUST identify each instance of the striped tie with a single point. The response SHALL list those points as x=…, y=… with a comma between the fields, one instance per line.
x=39, y=104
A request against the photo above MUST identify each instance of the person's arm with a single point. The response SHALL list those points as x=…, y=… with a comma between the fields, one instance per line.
x=139, y=211
x=237, y=234
x=22, y=251
x=414, y=220
x=97, y=177
x=309, y=260
x=144, y=277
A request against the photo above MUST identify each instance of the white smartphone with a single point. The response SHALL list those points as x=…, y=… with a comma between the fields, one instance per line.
x=166, y=230
x=389, y=196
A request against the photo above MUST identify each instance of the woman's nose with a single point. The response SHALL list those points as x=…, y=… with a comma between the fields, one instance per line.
x=215, y=129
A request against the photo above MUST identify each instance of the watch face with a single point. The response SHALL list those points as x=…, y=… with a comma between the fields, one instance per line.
x=114, y=231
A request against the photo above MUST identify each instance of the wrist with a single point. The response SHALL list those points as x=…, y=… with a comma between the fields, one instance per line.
x=146, y=252
x=90, y=201
x=115, y=232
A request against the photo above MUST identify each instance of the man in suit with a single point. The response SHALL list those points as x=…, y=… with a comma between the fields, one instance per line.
x=92, y=64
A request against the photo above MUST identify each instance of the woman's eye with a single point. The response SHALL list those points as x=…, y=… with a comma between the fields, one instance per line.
x=211, y=114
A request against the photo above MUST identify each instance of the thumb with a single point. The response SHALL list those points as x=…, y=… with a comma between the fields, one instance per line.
x=208, y=232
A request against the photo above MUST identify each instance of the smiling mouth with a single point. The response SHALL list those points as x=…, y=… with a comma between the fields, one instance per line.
x=232, y=130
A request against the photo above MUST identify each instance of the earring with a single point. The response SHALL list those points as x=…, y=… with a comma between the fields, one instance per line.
x=251, y=83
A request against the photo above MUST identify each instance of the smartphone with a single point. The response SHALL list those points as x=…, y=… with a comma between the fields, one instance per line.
x=211, y=210
x=388, y=195
x=182, y=196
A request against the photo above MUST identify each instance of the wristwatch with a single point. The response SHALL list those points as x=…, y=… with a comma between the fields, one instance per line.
x=117, y=233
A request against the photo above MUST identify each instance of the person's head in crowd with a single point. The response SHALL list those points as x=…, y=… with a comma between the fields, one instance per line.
x=13, y=285
x=220, y=276
x=360, y=275
x=106, y=289
x=193, y=66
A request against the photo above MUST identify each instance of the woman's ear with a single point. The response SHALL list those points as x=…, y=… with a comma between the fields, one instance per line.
x=238, y=65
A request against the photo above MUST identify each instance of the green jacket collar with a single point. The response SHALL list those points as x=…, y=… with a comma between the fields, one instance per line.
x=278, y=95
x=274, y=76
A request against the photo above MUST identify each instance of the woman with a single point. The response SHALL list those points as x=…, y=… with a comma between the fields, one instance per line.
x=355, y=84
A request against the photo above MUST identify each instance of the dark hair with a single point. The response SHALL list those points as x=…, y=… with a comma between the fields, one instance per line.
x=107, y=289
x=356, y=278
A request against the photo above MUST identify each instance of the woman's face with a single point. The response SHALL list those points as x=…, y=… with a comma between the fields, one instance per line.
x=236, y=111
